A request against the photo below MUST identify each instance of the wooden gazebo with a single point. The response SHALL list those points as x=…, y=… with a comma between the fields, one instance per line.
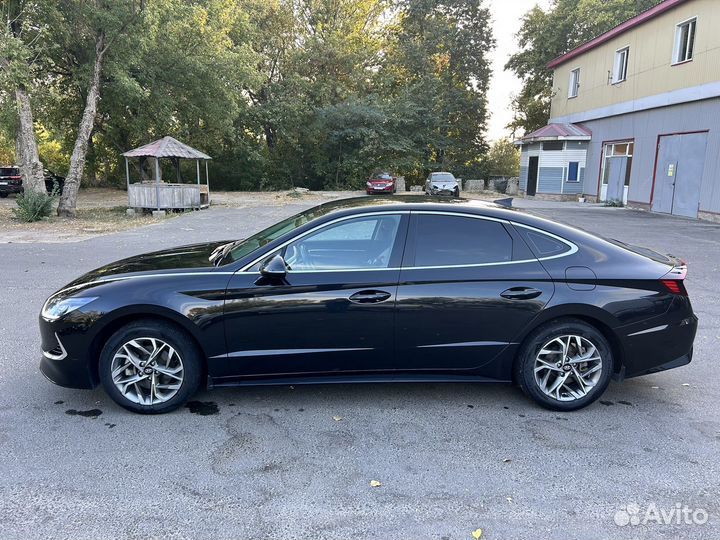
x=157, y=194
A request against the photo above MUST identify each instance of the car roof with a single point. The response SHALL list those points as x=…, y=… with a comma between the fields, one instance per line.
x=355, y=205
x=440, y=172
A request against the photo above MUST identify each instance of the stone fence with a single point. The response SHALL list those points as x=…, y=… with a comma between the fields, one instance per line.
x=500, y=184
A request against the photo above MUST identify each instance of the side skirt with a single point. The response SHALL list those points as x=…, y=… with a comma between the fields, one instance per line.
x=350, y=379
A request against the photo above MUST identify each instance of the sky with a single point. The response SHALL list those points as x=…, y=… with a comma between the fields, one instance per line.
x=507, y=15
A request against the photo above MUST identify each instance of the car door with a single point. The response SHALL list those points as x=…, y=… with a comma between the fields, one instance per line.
x=468, y=285
x=332, y=313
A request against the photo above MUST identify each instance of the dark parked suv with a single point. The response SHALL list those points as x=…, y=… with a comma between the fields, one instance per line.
x=11, y=181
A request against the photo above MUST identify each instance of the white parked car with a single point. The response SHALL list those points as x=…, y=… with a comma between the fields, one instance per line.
x=442, y=183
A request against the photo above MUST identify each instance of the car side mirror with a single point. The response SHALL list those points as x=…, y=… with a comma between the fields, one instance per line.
x=274, y=267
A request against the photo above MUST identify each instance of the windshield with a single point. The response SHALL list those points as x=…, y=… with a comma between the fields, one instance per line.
x=443, y=177
x=241, y=248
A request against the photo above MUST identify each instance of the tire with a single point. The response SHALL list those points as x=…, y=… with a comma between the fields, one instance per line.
x=3, y=195
x=552, y=337
x=456, y=193
x=145, y=333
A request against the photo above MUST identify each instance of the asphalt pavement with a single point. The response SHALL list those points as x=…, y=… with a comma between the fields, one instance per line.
x=286, y=462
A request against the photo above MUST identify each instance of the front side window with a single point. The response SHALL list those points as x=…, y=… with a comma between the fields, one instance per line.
x=620, y=68
x=358, y=243
x=684, y=41
x=442, y=240
x=574, y=85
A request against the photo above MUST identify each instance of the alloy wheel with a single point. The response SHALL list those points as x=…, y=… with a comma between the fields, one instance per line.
x=147, y=371
x=568, y=367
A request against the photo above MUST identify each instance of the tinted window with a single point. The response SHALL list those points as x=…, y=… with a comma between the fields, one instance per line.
x=9, y=171
x=542, y=244
x=365, y=242
x=451, y=240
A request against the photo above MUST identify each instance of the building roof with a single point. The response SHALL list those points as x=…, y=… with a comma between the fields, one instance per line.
x=167, y=147
x=621, y=28
x=557, y=132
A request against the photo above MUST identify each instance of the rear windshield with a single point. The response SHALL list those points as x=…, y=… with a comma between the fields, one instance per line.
x=9, y=171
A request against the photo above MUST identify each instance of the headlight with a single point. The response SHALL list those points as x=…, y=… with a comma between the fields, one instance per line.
x=369, y=184
x=56, y=307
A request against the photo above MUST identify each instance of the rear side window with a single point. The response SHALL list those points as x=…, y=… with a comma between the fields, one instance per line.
x=442, y=240
x=9, y=171
x=543, y=245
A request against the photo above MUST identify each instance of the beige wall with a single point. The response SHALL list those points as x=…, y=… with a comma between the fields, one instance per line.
x=650, y=69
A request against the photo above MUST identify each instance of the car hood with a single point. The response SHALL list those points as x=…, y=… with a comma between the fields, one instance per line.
x=179, y=258
x=445, y=184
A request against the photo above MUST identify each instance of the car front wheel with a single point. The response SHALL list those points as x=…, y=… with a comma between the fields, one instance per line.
x=150, y=367
x=564, y=365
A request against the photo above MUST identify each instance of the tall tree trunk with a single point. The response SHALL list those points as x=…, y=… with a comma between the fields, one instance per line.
x=26, y=147
x=68, y=201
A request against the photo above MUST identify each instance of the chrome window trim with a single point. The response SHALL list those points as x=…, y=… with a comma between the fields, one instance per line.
x=573, y=248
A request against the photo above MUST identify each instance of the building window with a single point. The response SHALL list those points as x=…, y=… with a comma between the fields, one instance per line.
x=553, y=145
x=614, y=150
x=574, y=86
x=573, y=169
x=621, y=65
x=684, y=41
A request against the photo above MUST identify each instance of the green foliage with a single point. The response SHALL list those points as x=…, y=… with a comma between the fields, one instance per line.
x=34, y=206
x=503, y=159
x=547, y=35
x=313, y=93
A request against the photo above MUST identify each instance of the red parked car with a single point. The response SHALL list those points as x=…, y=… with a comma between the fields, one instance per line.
x=381, y=183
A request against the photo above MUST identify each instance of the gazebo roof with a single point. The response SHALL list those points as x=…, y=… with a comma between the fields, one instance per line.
x=167, y=147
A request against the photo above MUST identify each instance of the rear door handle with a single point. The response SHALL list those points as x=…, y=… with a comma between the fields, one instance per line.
x=521, y=293
x=369, y=297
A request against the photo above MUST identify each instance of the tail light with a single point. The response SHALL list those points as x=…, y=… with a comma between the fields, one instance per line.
x=675, y=286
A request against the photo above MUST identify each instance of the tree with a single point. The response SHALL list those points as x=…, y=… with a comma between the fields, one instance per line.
x=438, y=59
x=16, y=72
x=544, y=36
x=503, y=159
x=97, y=26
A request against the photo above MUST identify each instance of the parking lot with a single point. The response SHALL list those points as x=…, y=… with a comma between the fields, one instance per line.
x=284, y=462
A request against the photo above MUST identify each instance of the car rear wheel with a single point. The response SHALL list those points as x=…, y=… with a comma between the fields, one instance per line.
x=150, y=367
x=564, y=365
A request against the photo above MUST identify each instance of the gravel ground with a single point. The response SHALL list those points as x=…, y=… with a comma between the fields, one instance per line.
x=275, y=463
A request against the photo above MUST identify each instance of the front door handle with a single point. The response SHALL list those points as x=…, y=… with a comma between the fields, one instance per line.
x=369, y=297
x=521, y=293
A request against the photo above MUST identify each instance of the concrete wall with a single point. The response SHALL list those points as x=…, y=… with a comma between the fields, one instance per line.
x=652, y=79
x=644, y=127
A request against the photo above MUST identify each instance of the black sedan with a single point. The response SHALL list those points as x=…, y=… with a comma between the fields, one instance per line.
x=366, y=290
